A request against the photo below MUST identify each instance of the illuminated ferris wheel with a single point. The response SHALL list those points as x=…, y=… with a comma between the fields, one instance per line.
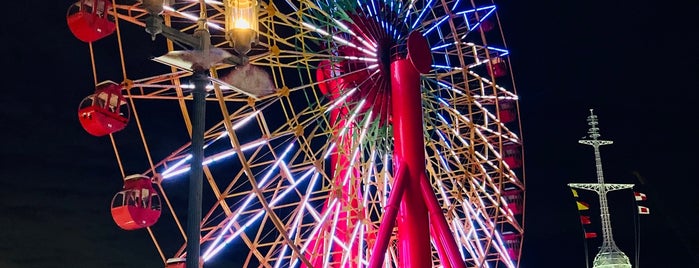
x=337, y=133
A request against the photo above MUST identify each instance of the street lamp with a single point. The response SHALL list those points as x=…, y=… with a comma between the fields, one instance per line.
x=241, y=32
x=154, y=7
x=241, y=24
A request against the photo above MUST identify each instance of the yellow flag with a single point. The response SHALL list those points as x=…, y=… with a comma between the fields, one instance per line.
x=575, y=193
x=582, y=205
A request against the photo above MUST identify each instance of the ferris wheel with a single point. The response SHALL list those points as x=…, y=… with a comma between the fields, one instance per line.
x=344, y=134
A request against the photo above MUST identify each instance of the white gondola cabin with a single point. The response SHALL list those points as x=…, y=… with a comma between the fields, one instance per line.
x=105, y=111
x=137, y=205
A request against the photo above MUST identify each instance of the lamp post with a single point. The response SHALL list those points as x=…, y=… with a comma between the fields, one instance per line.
x=241, y=32
x=241, y=24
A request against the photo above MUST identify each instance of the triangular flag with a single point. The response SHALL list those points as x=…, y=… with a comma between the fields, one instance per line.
x=589, y=235
x=585, y=219
x=643, y=210
x=639, y=196
x=575, y=193
x=582, y=205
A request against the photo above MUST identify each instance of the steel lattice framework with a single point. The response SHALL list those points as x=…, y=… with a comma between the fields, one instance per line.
x=299, y=177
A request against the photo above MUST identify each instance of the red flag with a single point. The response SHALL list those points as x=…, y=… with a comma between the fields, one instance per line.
x=643, y=210
x=589, y=235
x=639, y=196
x=585, y=219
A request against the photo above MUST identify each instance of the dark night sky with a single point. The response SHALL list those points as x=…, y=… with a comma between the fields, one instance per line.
x=634, y=62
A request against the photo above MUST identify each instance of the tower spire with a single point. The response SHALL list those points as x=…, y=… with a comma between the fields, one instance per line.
x=592, y=121
x=609, y=256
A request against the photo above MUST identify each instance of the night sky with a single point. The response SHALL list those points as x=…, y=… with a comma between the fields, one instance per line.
x=634, y=62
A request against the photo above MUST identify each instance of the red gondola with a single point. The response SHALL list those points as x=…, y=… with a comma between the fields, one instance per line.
x=90, y=20
x=137, y=205
x=507, y=111
x=512, y=155
x=498, y=67
x=104, y=112
x=514, y=200
x=176, y=263
x=512, y=242
x=487, y=25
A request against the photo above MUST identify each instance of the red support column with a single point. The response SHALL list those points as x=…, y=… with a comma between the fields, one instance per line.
x=439, y=226
x=340, y=162
x=389, y=217
x=414, y=247
x=440, y=249
x=350, y=198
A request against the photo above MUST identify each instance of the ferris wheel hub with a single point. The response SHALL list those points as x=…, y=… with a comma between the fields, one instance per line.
x=419, y=52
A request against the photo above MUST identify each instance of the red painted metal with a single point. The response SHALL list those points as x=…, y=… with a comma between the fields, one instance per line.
x=419, y=52
x=507, y=111
x=137, y=205
x=514, y=200
x=105, y=111
x=443, y=258
x=512, y=241
x=389, y=217
x=342, y=167
x=440, y=226
x=89, y=20
x=498, y=67
x=487, y=25
x=413, y=226
x=176, y=263
x=512, y=155
x=333, y=85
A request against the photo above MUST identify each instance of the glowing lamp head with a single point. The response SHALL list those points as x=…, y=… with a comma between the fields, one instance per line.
x=241, y=24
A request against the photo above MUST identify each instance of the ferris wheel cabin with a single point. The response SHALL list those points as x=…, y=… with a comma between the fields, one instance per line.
x=105, y=111
x=176, y=263
x=498, y=67
x=508, y=112
x=512, y=241
x=487, y=25
x=514, y=200
x=512, y=155
x=89, y=20
x=137, y=205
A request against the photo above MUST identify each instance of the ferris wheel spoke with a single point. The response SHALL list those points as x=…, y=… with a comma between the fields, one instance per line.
x=322, y=202
x=456, y=158
x=218, y=244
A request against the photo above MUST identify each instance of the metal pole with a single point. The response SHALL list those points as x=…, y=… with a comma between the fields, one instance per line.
x=388, y=221
x=201, y=39
x=409, y=150
x=440, y=227
x=196, y=172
